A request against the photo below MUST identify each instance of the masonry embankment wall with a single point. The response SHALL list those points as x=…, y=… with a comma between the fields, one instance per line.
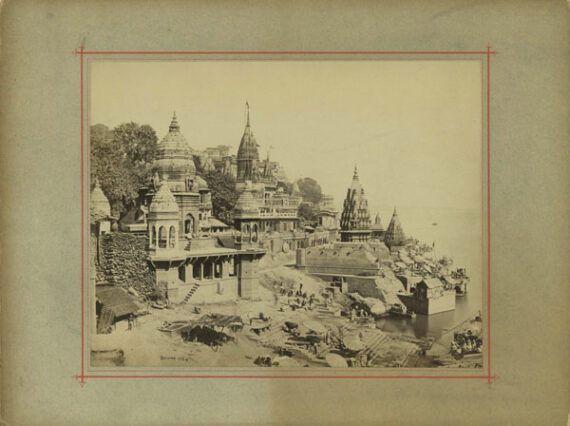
x=124, y=262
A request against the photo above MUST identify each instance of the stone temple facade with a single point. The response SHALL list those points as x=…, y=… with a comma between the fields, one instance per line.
x=175, y=166
x=355, y=222
x=327, y=213
x=192, y=262
x=266, y=209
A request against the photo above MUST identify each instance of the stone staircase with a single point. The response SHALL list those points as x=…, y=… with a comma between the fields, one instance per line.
x=372, y=345
x=191, y=293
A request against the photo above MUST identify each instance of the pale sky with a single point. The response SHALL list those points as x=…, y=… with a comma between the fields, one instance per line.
x=413, y=128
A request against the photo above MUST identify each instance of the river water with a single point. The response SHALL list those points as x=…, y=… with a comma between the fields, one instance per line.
x=458, y=235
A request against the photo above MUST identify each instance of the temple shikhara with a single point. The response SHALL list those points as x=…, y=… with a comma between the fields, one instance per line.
x=355, y=220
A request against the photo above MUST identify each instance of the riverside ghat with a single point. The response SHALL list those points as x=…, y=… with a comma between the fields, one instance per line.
x=371, y=261
x=270, y=292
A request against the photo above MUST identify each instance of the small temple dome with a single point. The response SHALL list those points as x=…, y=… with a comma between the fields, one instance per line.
x=99, y=201
x=174, y=159
x=246, y=202
x=295, y=189
x=163, y=201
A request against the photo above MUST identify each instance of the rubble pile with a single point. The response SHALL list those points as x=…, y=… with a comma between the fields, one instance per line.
x=124, y=262
x=418, y=261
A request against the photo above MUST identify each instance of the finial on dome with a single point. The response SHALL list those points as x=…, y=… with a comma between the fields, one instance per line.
x=247, y=112
x=174, y=123
x=355, y=172
x=395, y=212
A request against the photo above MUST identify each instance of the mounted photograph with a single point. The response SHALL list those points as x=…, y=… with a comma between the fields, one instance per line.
x=285, y=214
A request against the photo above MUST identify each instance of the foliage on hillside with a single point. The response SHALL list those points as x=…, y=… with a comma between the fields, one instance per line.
x=312, y=196
x=224, y=195
x=121, y=159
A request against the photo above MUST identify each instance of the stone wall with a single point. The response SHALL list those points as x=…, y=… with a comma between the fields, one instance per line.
x=124, y=262
x=429, y=306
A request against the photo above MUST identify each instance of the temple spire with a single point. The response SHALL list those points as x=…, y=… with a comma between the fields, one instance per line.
x=355, y=182
x=174, y=123
x=377, y=220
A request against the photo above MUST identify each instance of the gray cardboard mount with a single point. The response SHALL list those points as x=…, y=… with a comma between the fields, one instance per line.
x=41, y=222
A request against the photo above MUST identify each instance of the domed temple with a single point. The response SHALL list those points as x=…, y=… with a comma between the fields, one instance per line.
x=272, y=210
x=193, y=254
x=175, y=166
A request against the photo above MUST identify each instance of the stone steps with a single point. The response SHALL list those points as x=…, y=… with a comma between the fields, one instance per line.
x=191, y=293
x=373, y=349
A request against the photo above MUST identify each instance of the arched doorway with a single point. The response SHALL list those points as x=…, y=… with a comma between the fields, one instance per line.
x=189, y=224
x=162, y=237
x=172, y=237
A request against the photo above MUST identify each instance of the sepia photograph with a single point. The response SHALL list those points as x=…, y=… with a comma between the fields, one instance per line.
x=281, y=213
x=286, y=214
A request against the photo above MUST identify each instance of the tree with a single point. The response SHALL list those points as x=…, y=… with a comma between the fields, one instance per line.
x=224, y=195
x=198, y=164
x=121, y=160
x=138, y=142
x=310, y=190
x=312, y=195
x=307, y=213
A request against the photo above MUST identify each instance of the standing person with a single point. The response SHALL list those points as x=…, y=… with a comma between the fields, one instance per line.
x=166, y=298
x=130, y=322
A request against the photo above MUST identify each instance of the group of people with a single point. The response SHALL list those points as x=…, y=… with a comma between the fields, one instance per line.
x=355, y=312
x=301, y=298
x=465, y=343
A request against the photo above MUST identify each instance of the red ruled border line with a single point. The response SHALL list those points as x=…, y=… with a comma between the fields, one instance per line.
x=86, y=52
x=489, y=210
x=81, y=51
x=280, y=377
x=82, y=382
